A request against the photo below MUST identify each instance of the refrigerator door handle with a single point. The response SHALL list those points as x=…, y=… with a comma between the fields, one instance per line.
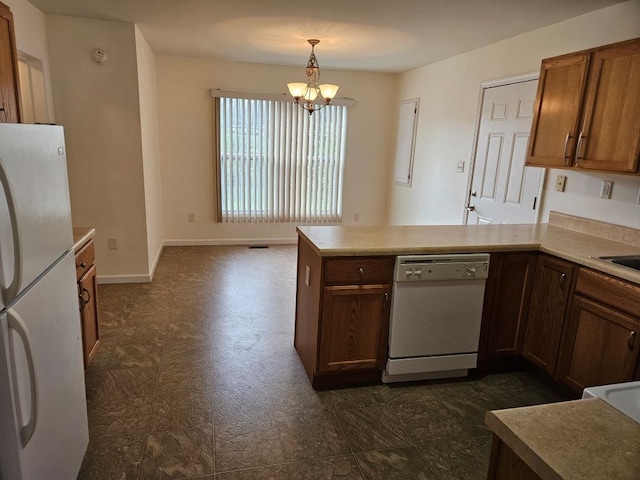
x=16, y=323
x=9, y=293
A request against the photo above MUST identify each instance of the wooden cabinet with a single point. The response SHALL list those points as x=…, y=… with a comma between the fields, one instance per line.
x=9, y=86
x=600, y=342
x=587, y=111
x=88, y=300
x=549, y=301
x=354, y=328
x=342, y=316
x=506, y=307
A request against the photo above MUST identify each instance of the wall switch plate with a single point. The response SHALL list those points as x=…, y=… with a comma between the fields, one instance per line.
x=191, y=217
x=356, y=217
x=561, y=182
x=460, y=168
x=112, y=243
x=605, y=189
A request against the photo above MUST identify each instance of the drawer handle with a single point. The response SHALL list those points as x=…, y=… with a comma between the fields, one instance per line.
x=632, y=338
x=82, y=265
x=563, y=279
x=361, y=271
x=88, y=299
x=581, y=137
x=386, y=299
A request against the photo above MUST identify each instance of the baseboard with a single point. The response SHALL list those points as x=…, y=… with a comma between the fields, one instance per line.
x=230, y=241
x=108, y=279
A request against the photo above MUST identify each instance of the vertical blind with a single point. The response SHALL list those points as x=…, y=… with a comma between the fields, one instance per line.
x=277, y=163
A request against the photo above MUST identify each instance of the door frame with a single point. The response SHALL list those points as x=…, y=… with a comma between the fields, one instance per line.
x=472, y=163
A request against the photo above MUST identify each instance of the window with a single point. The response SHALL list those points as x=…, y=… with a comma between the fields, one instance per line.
x=277, y=163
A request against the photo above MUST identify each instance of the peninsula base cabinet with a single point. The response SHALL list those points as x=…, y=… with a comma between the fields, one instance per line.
x=88, y=300
x=549, y=301
x=600, y=341
x=505, y=310
x=342, y=316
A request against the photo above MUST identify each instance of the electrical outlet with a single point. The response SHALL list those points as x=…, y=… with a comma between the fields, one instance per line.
x=605, y=189
x=561, y=182
x=460, y=168
x=191, y=217
x=112, y=243
x=356, y=217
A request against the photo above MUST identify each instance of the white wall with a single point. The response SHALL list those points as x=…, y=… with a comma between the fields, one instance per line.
x=150, y=148
x=449, y=91
x=186, y=153
x=31, y=38
x=99, y=107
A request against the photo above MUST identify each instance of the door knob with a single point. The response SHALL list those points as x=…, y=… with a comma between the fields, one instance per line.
x=471, y=208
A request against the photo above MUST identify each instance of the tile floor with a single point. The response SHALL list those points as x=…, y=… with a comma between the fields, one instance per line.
x=196, y=377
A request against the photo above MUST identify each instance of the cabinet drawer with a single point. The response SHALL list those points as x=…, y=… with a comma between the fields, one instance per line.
x=84, y=259
x=619, y=294
x=358, y=270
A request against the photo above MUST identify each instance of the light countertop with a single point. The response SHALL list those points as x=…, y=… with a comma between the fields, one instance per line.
x=583, y=439
x=574, y=239
x=81, y=235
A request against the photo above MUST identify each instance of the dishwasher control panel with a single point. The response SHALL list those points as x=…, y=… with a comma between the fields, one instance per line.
x=414, y=268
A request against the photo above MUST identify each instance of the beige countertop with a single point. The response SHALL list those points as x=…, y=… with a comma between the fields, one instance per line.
x=572, y=238
x=82, y=235
x=583, y=439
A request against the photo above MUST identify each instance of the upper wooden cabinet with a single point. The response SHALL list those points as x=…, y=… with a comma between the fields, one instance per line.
x=9, y=90
x=587, y=110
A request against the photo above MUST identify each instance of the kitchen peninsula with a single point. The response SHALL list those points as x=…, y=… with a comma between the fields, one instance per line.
x=357, y=263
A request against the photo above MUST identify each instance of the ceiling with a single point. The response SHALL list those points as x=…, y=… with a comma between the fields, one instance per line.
x=372, y=35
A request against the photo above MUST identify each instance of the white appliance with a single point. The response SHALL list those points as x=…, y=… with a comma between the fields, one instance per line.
x=43, y=413
x=436, y=312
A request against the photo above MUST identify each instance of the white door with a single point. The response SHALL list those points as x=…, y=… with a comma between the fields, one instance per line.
x=503, y=190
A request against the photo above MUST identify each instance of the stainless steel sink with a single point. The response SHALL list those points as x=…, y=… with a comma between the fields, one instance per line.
x=630, y=261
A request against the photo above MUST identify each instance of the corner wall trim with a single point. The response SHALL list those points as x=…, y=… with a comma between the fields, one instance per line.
x=152, y=270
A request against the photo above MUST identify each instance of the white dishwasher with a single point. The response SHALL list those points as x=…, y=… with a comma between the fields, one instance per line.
x=436, y=310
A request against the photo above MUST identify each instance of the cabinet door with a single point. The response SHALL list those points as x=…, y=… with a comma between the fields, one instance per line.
x=549, y=299
x=601, y=346
x=610, y=136
x=87, y=292
x=506, y=304
x=9, y=92
x=556, y=112
x=355, y=328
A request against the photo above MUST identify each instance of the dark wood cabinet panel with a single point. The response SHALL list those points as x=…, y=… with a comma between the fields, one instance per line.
x=610, y=135
x=549, y=301
x=88, y=298
x=355, y=322
x=358, y=270
x=587, y=110
x=9, y=86
x=557, y=110
x=506, y=304
x=600, y=344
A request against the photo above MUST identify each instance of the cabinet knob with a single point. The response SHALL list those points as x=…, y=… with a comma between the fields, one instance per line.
x=88, y=299
x=361, y=271
x=632, y=337
x=82, y=265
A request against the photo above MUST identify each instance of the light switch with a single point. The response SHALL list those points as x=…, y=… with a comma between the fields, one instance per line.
x=561, y=181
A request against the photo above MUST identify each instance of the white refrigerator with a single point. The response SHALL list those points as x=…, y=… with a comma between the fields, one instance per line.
x=43, y=413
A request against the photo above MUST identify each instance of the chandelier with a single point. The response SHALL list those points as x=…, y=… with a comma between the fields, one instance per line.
x=305, y=94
